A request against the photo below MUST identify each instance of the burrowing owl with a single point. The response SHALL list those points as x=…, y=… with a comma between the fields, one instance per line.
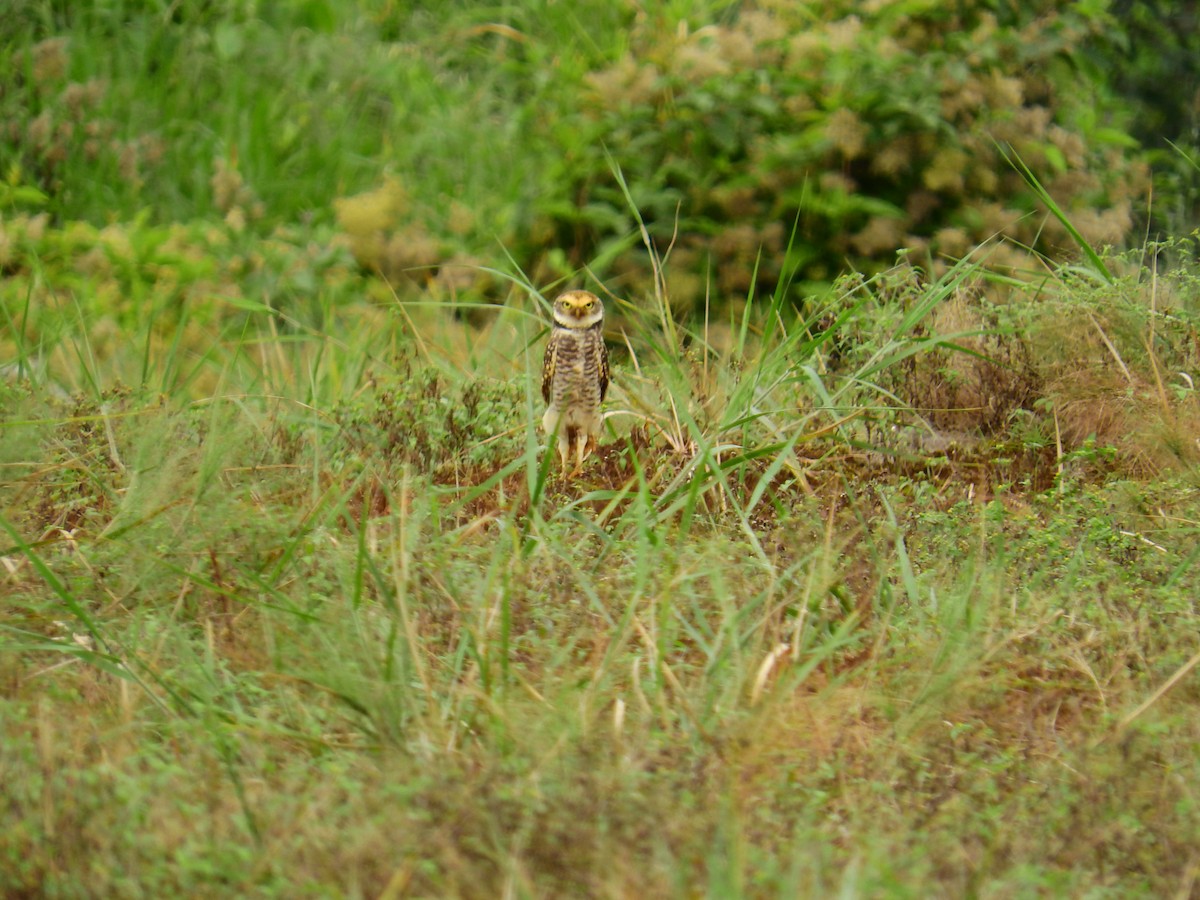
x=575, y=375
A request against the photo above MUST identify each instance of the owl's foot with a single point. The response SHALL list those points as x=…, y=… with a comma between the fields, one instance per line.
x=580, y=449
x=583, y=449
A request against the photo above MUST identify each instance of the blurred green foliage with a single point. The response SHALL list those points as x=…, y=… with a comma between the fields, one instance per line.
x=1151, y=56
x=440, y=142
x=874, y=127
x=259, y=111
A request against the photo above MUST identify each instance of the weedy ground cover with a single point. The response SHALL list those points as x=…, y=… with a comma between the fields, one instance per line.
x=307, y=608
x=884, y=589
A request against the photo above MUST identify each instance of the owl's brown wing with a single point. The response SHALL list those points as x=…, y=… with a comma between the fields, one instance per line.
x=602, y=365
x=549, y=362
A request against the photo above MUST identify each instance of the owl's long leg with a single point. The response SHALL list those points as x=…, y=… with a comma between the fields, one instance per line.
x=583, y=446
x=565, y=440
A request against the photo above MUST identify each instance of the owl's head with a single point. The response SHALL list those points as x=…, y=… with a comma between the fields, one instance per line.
x=578, y=309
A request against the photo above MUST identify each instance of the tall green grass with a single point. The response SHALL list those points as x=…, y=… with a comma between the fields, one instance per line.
x=301, y=103
x=722, y=659
x=294, y=601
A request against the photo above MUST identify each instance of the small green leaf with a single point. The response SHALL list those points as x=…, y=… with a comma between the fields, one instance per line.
x=230, y=40
x=22, y=194
x=1054, y=156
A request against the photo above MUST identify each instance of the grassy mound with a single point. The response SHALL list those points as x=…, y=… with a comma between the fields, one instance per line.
x=883, y=588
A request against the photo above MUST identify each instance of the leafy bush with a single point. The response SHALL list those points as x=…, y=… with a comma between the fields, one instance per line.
x=873, y=127
x=1151, y=54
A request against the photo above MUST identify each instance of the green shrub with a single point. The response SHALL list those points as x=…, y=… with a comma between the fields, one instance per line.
x=1151, y=54
x=874, y=126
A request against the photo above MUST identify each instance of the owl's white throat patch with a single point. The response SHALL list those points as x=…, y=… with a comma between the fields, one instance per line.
x=570, y=320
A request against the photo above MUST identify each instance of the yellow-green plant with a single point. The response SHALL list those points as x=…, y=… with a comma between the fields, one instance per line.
x=881, y=126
